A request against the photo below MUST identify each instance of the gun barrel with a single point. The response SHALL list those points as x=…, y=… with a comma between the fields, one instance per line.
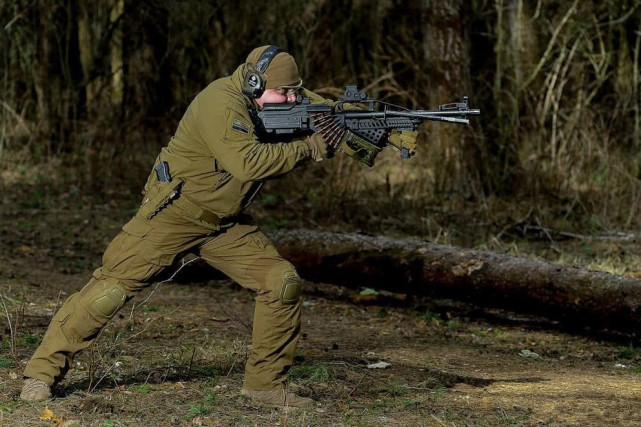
x=430, y=113
x=460, y=116
x=415, y=114
x=450, y=119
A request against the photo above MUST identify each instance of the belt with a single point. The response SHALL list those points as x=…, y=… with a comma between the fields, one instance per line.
x=196, y=212
x=210, y=217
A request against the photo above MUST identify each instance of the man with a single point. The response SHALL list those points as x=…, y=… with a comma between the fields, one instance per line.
x=201, y=182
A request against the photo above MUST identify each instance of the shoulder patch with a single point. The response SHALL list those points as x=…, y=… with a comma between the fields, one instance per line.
x=240, y=126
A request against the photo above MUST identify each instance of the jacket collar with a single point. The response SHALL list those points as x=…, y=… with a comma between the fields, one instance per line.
x=237, y=78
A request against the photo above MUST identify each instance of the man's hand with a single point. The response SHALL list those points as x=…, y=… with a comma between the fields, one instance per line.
x=404, y=139
x=318, y=149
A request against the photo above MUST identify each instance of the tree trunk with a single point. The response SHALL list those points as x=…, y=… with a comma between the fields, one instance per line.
x=447, y=66
x=44, y=77
x=577, y=297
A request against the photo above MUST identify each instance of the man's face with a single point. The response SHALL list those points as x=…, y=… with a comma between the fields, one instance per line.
x=276, y=96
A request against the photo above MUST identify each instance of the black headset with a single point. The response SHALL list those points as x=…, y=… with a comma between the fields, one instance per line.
x=255, y=80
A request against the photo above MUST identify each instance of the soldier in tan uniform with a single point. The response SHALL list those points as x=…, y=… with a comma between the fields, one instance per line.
x=211, y=170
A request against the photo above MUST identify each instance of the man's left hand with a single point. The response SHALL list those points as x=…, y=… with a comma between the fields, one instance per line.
x=404, y=139
x=318, y=149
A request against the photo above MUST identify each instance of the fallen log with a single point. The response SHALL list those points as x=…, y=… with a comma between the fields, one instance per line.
x=574, y=296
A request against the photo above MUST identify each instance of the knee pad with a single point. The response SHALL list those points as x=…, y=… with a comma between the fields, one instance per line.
x=281, y=280
x=291, y=287
x=105, y=297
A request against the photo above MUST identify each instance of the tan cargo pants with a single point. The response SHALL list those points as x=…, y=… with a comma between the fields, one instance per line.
x=146, y=247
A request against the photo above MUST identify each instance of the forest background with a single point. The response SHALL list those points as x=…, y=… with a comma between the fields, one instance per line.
x=92, y=90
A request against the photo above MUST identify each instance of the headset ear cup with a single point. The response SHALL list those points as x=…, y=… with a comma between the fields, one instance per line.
x=254, y=84
x=255, y=81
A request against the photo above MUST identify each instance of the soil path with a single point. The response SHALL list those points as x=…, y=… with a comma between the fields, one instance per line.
x=175, y=356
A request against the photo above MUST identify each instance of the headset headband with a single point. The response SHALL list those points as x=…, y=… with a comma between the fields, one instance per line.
x=266, y=58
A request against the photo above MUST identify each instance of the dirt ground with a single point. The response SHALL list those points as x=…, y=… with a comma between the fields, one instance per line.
x=175, y=355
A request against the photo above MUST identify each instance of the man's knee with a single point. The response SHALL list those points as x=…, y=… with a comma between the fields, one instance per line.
x=290, y=287
x=284, y=282
x=85, y=313
x=103, y=298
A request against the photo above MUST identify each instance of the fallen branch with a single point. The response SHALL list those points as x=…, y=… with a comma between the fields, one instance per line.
x=575, y=296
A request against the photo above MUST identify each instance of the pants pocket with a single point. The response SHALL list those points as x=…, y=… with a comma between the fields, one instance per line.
x=132, y=255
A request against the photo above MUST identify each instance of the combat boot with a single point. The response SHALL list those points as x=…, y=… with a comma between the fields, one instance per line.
x=35, y=390
x=279, y=397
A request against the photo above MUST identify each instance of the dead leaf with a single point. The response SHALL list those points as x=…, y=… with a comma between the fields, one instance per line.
x=47, y=414
x=468, y=267
x=25, y=250
x=379, y=365
x=357, y=299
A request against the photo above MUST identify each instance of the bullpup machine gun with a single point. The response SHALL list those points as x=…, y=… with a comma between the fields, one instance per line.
x=361, y=131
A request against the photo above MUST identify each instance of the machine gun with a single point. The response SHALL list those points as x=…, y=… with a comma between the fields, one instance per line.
x=361, y=130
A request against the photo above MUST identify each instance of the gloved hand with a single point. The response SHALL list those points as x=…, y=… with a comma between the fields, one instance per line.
x=318, y=149
x=404, y=139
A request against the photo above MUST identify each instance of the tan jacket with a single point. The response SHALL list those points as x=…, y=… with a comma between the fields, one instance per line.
x=217, y=154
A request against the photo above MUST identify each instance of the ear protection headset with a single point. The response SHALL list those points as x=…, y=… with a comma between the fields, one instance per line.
x=255, y=80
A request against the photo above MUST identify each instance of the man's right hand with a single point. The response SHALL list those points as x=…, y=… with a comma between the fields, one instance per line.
x=404, y=139
x=318, y=149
